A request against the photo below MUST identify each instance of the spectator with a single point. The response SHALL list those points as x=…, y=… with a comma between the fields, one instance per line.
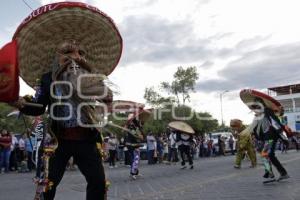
x=196, y=149
x=121, y=149
x=173, y=154
x=127, y=156
x=205, y=147
x=295, y=140
x=29, y=152
x=14, y=148
x=283, y=147
x=21, y=156
x=221, y=145
x=209, y=147
x=112, y=147
x=159, y=149
x=231, y=144
x=5, y=143
x=151, y=147
x=105, y=148
x=166, y=148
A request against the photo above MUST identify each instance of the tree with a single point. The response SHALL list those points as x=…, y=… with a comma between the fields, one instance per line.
x=118, y=119
x=183, y=83
x=203, y=123
x=200, y=122
x=155, y=99
x=11, y=123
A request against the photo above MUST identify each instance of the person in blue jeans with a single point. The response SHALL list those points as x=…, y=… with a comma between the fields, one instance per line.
x=5, y=143
x=29, y=144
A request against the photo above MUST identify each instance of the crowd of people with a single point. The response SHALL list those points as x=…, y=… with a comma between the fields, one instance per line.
x=163, y=148
x=16, y=152
x=74, y=116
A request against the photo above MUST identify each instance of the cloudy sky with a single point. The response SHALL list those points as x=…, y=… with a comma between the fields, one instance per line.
x=234, y=44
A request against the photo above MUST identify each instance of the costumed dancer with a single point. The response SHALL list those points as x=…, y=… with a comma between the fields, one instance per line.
x=268, y=129
x=134, y=138
x=244, y=143
x=72, y=84
x=184, y=139
x=133, y=141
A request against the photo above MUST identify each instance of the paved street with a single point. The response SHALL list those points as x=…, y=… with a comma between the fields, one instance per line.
x=212, y=179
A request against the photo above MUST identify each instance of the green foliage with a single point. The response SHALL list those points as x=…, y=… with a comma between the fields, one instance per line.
x=11, y=123
x=183, y=83
x=155, y=99
x=179, y=89
x=200, y=122
x=118, y=119
x=203, y=122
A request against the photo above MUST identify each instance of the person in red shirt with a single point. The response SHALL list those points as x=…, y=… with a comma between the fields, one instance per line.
x=5, y=142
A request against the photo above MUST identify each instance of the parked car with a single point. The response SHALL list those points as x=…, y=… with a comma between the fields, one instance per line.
x=226, y=137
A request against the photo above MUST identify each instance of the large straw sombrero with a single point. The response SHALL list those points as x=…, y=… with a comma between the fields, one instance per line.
x=181, y=126
x=48, y=26
x=250, y=97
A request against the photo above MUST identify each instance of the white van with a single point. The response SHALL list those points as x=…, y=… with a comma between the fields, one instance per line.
x=226, y=135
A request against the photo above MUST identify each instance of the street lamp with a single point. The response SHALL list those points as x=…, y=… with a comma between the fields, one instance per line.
x=221, y=101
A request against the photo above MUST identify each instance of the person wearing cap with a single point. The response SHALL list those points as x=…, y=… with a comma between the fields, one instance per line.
x=244, y=143
x=71, y=49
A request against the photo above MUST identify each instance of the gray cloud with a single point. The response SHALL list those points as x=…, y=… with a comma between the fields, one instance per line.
x=152, y=39
x=156, y=40
x=207, y=64
x=246, y=43
x=266, y=67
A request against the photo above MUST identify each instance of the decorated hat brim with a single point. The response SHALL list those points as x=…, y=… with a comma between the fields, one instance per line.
x=45, y=28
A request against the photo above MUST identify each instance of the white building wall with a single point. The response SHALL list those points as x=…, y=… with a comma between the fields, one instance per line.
x=292, y=110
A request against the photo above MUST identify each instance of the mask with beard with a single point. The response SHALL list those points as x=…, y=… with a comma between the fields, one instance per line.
x=87, y=89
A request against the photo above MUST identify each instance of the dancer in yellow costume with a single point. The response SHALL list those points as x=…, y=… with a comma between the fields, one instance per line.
x=244, y=143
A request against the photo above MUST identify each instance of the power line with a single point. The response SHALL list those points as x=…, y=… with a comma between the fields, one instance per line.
x=27, y=4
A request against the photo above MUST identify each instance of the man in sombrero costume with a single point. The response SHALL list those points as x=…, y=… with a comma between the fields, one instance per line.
x=71, y=47
x=244, y=143
x=267, y=128
x=184, y=139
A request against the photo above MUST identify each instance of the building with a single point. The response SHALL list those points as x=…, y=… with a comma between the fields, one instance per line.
x=289, y=97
